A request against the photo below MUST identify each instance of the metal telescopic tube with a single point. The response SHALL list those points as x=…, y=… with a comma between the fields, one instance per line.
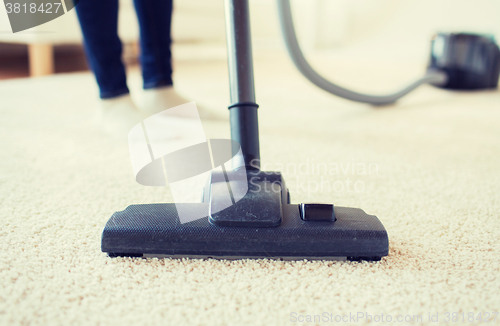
x=243, y=109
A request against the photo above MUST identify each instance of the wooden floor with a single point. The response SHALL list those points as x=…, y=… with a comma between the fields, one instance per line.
x=14, y=60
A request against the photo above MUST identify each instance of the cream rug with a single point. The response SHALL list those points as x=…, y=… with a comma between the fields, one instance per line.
x=432, y=178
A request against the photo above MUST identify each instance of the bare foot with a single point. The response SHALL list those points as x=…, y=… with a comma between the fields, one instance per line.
x=156, y=100
x=118, y=115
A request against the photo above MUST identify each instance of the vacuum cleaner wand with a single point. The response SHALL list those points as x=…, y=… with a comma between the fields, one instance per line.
x=243, y=109
x=258, y=221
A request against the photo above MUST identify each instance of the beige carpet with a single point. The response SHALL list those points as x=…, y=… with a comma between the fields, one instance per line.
x=433, y=180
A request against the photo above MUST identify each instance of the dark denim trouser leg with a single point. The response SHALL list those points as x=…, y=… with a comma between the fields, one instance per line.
x=155, y=21
x=99, y=24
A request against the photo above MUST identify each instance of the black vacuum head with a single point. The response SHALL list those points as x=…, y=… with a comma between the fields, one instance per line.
x=155, y=229
x=262, y=224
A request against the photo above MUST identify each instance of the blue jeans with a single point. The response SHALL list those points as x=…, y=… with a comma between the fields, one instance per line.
x=99, y=22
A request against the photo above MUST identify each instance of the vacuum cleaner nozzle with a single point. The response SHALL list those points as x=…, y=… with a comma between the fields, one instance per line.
x=263, y=224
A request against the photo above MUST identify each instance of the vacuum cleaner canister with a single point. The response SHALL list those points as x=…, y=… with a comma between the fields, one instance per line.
x=471, y=61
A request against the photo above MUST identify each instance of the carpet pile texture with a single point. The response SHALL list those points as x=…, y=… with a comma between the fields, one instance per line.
x=427, y=166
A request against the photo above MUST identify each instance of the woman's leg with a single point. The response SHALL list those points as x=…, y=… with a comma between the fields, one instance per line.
x=155, y=21
x=99, y=24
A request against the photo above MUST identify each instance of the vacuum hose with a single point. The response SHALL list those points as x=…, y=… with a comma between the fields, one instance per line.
x=292, y=45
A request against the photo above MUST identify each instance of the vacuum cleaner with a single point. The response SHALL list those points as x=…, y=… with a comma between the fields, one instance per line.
x=253, y=222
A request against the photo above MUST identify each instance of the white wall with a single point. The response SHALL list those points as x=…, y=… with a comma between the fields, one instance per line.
x=329, y=23
x=319, y=23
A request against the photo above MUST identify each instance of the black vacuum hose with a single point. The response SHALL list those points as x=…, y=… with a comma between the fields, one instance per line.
x=292, y=45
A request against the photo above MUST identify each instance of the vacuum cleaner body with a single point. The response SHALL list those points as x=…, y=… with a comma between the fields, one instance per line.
x=471, y=61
